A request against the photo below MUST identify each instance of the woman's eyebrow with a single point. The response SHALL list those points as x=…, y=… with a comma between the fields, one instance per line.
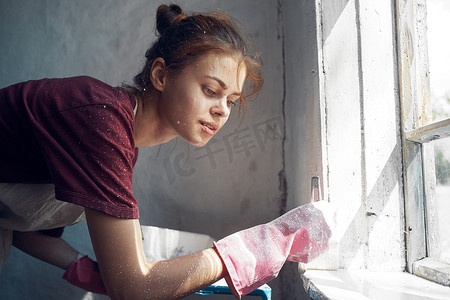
x=221, y=83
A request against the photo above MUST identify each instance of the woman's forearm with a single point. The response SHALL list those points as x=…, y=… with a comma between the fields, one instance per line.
x=128, y=275
x=170, y=279
x=184, y=275
x=50, y=249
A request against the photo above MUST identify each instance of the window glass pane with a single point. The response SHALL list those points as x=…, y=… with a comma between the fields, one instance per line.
x=442, y=197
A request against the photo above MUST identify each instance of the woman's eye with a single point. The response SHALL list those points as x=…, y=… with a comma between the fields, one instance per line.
x=209, y=91
x=231, y=103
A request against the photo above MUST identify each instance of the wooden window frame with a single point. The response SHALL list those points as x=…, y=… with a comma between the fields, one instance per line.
x=418, y=154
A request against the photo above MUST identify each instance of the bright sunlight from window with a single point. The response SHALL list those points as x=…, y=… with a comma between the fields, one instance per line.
x=438, y=22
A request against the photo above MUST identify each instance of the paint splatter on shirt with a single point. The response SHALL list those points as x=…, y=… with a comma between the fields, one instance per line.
x=77, y=133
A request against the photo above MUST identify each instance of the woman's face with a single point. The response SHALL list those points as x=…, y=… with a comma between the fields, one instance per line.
x=196, y=102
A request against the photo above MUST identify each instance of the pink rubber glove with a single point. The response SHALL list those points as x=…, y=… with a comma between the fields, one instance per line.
x=254, y=256
x=84, y=273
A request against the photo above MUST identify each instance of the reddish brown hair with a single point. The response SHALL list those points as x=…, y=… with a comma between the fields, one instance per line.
x=183, y=39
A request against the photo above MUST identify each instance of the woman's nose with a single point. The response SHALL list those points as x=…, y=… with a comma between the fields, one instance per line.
x=220, y=108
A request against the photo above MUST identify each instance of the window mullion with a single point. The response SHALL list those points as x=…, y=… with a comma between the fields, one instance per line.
x=430, y=132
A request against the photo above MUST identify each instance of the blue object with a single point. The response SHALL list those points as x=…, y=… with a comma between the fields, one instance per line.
x=221, y=287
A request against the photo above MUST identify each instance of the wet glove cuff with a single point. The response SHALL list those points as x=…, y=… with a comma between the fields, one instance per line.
x=84, y=273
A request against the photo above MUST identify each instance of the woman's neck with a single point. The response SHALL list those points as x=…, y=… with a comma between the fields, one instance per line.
x=150, y=130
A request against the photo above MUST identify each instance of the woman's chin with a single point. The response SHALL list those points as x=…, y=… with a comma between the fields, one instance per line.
x=201, y=142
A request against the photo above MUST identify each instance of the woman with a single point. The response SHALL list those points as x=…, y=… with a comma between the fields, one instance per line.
x=70, y=146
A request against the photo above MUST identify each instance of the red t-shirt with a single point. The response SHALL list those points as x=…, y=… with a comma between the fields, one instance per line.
x=77, y=133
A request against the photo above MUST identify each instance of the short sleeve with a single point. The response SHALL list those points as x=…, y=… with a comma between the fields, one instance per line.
x=90, y=152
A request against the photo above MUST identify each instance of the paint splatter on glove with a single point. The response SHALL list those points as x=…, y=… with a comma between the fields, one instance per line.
x=254, y=256
x=84, y=273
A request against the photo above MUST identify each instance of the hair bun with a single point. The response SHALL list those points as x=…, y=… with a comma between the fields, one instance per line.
x=167, y=16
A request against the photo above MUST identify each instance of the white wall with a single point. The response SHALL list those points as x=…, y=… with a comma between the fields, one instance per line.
x=302, y=148
x=303, y=145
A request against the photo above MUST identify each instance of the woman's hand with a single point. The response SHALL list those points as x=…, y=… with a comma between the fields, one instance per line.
x=254, y=256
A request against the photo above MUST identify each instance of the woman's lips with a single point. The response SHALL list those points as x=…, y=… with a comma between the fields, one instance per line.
x=209, y=128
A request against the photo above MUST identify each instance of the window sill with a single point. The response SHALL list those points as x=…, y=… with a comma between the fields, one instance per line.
x=363, y=284
x=433, y=270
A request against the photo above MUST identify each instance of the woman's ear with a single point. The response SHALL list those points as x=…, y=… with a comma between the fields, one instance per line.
x=158, y=74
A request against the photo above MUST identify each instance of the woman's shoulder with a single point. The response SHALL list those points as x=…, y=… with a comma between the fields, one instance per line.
x=88, y=90
x=96, y=88
x=83, y=83
x=85, y=80
x=49, y=96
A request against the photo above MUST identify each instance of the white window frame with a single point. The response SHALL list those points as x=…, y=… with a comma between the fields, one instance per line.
x=418, y=154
